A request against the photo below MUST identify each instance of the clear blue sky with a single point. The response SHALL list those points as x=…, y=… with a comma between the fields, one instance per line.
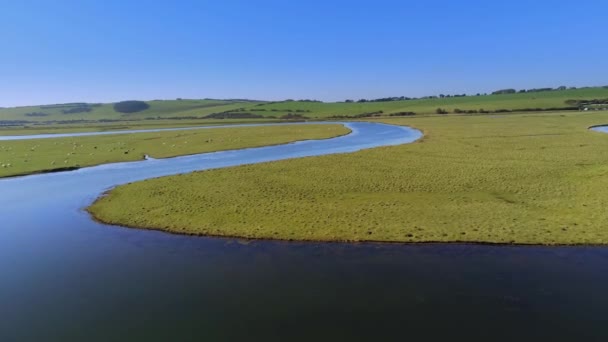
x=67, y=51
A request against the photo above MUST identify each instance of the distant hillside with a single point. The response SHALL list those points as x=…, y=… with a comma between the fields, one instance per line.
x=529, y=101
x=502, y=101
x=85, y=111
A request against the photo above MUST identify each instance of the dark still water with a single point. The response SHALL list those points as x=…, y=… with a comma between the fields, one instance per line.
x=67, y=278
x=149, y=286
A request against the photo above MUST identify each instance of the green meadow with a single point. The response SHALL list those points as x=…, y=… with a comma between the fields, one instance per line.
x=22, y=157
x=506, y=179
x=31, y=129
x=208, y=111
x=518, y=101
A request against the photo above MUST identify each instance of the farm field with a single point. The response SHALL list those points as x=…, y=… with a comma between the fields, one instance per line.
x=22, y=157
x=505, y=179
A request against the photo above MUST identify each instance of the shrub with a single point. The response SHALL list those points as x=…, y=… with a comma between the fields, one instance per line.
x=441, y=111
x=538, y=90
x=402, y=114
x=233, y=115
x=504, y=91
x=75, y=110
x=586, y=102
x=293, y=117
x=130, y=106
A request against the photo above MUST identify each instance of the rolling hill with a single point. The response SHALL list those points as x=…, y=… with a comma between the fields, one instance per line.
x=248, y=109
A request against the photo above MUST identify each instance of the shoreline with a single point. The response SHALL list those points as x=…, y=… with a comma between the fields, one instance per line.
x=329, y=241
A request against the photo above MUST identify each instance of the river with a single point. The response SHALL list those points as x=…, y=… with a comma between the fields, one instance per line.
x=68, y=278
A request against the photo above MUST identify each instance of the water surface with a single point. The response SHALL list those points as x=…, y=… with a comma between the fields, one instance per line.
x=603, y=129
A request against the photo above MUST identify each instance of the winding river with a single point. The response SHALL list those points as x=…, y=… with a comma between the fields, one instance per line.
x=65, y=277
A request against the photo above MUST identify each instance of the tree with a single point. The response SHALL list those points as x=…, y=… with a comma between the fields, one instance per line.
x=504, y=91
x=130, y=106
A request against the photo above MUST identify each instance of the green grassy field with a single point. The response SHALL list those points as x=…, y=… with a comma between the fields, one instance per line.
x=31, y=156
x=121, y=126
x=550, y=99
x=168, y=109
x=526, y=179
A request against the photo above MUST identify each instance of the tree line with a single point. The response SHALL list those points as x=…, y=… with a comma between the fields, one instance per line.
x=441, y=96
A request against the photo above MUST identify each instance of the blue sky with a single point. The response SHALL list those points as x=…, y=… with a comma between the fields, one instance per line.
x=99, y=51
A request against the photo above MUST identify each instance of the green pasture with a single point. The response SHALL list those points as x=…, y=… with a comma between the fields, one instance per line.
x=167, y=109
x=123, y=125
x=548, y=99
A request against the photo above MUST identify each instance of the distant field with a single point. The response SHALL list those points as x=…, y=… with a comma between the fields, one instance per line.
x=43, y=155
x=256, y=110
x=121, y=126
x=529, y=179
x=549, y=99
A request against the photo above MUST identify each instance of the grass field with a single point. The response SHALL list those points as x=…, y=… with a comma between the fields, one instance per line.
x=31, y=156
x=550, y=99
x=168, y=109
x=526, y=179
x=121, y=126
